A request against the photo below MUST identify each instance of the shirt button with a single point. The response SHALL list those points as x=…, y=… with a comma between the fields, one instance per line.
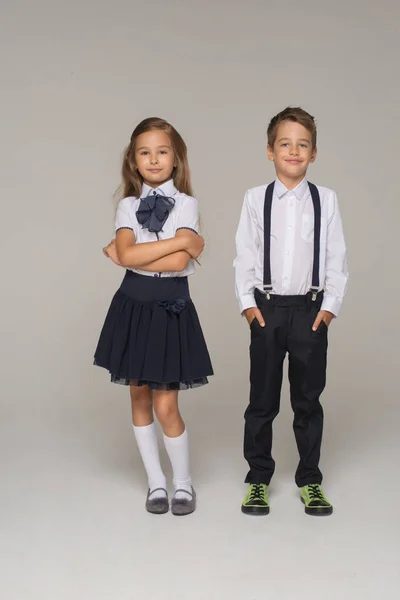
x=156, y=275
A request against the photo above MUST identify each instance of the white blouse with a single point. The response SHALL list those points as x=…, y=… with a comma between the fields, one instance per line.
x=184, y=214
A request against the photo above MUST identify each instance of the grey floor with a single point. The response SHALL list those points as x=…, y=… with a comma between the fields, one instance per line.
x=73, y=523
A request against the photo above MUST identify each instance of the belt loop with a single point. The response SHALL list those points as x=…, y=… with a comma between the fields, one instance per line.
x=271, y=302
x=309, y=301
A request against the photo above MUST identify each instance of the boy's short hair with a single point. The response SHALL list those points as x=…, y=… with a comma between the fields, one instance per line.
x=296, y=114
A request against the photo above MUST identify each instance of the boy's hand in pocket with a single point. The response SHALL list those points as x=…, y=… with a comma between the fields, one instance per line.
x=254, y=313
x=325, y=316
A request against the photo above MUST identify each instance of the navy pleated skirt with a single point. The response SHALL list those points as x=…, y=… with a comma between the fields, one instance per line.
x=152, y=335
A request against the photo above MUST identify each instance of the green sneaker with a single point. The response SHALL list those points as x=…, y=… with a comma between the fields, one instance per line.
x=256, y=500
x=315, y=500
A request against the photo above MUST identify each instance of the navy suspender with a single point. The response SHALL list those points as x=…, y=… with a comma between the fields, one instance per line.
x=317, y=237
x=267, y=284
x=269, y=192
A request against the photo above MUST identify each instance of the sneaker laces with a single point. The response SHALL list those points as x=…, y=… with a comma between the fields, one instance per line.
x=315, y=492
x=257, y=492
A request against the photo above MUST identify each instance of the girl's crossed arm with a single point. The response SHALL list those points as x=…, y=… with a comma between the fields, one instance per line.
x=164, y=255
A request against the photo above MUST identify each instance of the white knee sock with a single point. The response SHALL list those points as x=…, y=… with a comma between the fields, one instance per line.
x=146, y=438
x=178, y=452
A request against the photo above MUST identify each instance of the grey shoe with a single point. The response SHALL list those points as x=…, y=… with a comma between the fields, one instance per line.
x=157, y=506
x=183, y=506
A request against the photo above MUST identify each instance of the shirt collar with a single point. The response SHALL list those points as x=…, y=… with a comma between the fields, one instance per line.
x=166, y=189
x=298, y=191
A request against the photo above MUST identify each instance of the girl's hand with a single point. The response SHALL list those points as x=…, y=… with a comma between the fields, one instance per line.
x=194, y=244
x=111, y=252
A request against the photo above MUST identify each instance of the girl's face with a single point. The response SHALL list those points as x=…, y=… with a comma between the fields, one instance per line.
x=154, y=157
x=292, y=152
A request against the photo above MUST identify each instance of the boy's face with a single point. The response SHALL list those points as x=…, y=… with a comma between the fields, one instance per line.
x=292, y=152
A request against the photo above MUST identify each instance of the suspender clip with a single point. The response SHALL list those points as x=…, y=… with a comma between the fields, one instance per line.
x=267, y=290
x=314, y=293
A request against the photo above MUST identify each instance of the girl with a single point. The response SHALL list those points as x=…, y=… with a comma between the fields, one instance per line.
x=152, y=339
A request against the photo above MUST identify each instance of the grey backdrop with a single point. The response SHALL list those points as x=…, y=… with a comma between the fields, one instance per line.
x=76, y=78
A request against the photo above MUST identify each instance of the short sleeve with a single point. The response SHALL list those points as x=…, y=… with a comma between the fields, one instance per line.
x=123, y=217
x=189, y=215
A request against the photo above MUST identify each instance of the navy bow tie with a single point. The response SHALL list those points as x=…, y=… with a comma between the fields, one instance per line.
x=153, y=211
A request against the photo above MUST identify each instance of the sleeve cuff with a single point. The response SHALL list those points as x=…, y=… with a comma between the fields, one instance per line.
x=189, y=228
x=331, y=304
x=118, y=227
x=247, y=301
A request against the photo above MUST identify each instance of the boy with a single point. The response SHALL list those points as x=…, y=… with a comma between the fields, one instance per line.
x=291, y=276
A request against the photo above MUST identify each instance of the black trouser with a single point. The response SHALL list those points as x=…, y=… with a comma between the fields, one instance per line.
x=288, y=329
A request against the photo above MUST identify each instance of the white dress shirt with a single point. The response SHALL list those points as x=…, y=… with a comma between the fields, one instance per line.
x=185, y=214
x=292, y=247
